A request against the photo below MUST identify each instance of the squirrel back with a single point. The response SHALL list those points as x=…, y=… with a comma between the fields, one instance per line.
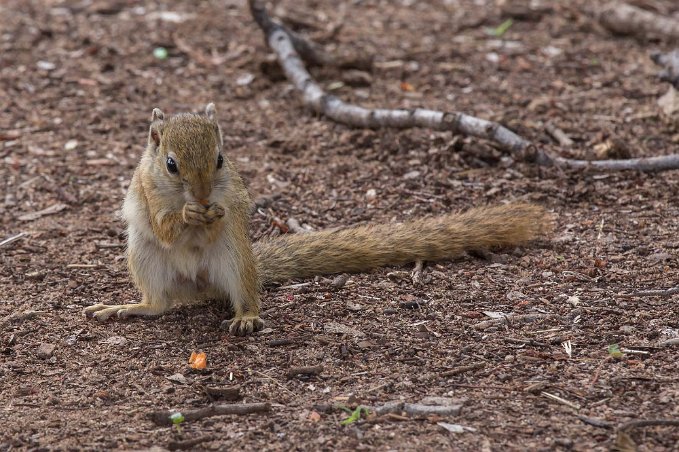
x=363, y=248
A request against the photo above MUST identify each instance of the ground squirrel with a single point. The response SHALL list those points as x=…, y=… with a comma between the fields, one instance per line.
x=187, y=212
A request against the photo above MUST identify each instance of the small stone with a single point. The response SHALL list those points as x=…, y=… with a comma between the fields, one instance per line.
x=70, y=145
x=371, y=194
x=412, y=175
x=45, y=350
x=509, y=358
x=178, y=378
x=46, y=65
x=245, y=79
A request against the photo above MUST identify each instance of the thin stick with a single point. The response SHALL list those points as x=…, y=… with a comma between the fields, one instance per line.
x=560, y=400
x=14, y=238
x=651, y=293
x=559, y=135
x=594, y=422
x=163, y=417
x=649, y=423
x=462, y=369
x=289, y=50
x=511, y=319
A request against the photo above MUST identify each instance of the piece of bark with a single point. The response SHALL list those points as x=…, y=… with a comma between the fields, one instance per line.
x=163, y=417
x=624, y=19
x=304, y=370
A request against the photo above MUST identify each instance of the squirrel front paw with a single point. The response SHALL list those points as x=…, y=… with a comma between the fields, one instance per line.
x=214, y=212
x=197, y=214
x=243, y=325
x=193, y=213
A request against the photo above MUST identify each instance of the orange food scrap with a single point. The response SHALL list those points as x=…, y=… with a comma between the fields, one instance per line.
x=405, y=86
x=198, y=360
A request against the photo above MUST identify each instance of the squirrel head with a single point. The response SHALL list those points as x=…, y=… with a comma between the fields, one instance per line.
x=186, y=151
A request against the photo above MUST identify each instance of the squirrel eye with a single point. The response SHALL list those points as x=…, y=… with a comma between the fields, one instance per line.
x=220, y=161
x=171, y=165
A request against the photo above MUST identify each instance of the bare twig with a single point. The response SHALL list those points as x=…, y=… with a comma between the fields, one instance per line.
x=304, y=370
x=559, y=135
x=652, y=293
x=163, y=417
x=51, y=210
x=626, y=19
x=594, y=422
x=20, y=317
x=12, y=239
x=290, y=51
x=560, y=400
x=649, y=423
x=512, y=318
x=462, y=369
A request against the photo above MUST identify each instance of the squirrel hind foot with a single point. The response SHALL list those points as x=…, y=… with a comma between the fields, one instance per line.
x=103, y=312
x=243, y=325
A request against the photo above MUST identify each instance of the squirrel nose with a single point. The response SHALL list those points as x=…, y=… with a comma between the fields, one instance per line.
x=204, y=201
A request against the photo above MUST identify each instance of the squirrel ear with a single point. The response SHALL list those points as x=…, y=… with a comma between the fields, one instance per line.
x=157, y=115
x=210, y=111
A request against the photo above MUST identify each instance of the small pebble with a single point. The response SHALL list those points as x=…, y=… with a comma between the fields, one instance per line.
x=45, y=350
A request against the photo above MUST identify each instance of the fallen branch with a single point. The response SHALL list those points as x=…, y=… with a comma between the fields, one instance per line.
x=669, y=62
x=649, y=423
x=652, y=293
x=625, y=19
x=163, y=417
x=290, y=51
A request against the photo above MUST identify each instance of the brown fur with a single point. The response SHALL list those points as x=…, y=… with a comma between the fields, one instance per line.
x=363, y=248
x=188, y=238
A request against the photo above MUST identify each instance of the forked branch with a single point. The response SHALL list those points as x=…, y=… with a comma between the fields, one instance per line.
x=290, y=49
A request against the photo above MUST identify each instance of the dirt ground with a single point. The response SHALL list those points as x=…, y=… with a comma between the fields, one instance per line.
x=78, y=81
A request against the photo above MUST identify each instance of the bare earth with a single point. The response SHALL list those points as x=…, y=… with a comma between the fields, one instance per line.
x=78, y=81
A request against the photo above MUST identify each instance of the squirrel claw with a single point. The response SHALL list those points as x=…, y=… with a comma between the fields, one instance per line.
x=243, y=325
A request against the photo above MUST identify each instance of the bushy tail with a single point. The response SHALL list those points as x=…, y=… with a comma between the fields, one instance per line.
x=429, y=239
